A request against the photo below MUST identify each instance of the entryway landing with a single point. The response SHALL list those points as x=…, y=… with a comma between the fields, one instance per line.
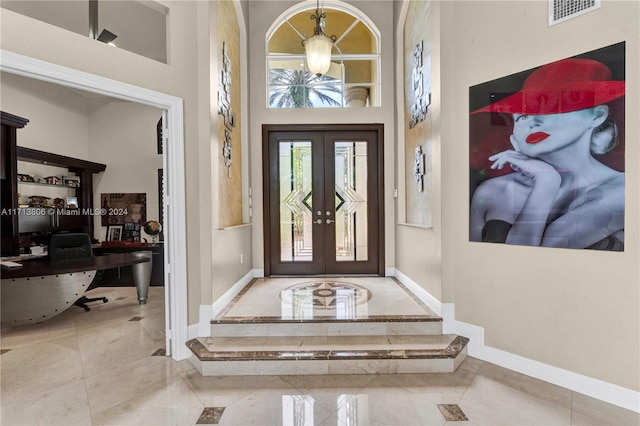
x=326, y=326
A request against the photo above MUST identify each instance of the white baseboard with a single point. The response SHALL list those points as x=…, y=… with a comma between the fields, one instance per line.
x=204, y=325
x=595, y=388
x=207, y=312
x=434, y=304
x=258, y=273
x=193, y=331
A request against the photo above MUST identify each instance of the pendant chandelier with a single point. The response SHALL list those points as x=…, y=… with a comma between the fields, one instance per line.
x=319, y=46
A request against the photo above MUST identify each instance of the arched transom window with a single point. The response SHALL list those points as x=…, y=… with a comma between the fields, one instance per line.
x=354, y=76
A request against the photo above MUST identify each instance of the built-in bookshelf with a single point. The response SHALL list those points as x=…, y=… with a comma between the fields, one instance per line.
x=80, y=173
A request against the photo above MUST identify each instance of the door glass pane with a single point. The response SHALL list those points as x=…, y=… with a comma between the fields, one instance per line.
x=351, y=201
x=294, y=164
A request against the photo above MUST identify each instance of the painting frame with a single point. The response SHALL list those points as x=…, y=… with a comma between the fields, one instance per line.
x=120, y=208
x=522, y=125
x=114, y=232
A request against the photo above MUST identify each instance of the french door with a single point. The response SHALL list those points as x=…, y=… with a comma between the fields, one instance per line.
x=323, y=202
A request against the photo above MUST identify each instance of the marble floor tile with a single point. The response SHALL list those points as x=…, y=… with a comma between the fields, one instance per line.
x=129, y=348
x=55, y=328
x=526, y=384
x=488, y=401
x=590, y=411
x=91, y=368
x=106, y=334
x=222, y=391
x=388, y=406
x=173, y=404
x=275, y=407
x=66, y=404
x=437, y=388
x=326, y=389
x=111, y=387
x=43, y=365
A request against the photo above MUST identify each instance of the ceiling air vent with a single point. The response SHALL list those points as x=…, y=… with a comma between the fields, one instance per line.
x=561, y=10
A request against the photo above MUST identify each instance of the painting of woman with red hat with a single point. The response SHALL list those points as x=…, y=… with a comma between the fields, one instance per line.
x=547, y=155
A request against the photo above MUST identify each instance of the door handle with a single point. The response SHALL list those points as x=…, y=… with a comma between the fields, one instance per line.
x=318, y=221
x=329, y=221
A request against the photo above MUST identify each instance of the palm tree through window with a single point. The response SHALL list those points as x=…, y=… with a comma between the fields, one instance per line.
x=299, y=89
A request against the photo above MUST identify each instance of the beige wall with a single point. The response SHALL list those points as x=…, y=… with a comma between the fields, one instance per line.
x=122, y=135
x=231, y=256
x=58, y=122
x=58, y=118
x=419, y=249
x=574, y=309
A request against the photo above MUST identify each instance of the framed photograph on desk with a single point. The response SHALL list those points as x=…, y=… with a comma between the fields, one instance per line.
x=114, y=232
x=72, y=202
x=131, y=232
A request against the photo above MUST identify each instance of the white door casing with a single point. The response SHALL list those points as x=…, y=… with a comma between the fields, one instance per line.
x=173, y=162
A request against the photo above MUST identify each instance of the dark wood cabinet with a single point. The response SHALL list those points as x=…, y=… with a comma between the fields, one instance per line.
x=33, y=220
x=47, y=220
x=9, y=182
x=18, y=225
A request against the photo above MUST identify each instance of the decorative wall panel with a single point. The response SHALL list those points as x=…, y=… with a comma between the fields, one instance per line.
x=418, y=117
x=229, y=124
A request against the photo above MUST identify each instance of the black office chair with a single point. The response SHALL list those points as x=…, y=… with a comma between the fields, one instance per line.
x=73, y=246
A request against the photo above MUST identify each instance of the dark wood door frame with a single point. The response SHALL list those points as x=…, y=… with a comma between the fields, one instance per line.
x=267, y=129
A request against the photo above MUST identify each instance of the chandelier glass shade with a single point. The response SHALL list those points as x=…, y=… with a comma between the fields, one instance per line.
x=318, y=50
x=318, y=47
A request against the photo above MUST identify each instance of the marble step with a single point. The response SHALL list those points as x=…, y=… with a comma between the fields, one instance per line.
x=383, y=325
x=231, y=356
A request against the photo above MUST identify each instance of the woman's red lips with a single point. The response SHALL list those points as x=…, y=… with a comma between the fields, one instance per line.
x=537, y=137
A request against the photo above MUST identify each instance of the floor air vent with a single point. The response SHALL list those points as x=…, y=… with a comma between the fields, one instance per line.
x=561, y=10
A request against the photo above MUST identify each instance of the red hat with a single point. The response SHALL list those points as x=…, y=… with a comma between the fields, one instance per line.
x=563, y=86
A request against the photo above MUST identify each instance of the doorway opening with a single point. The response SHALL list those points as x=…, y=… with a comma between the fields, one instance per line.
x=173, y=164
x=323, y=199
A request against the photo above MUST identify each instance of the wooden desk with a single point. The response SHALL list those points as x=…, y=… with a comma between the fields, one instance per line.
x=42, y=289
x=123, y=277
x=35, y=268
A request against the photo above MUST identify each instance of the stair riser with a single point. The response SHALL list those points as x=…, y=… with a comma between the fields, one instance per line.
x=321, y=367
x=426, y=328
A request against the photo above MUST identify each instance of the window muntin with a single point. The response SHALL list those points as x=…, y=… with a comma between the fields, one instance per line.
x=355, y=62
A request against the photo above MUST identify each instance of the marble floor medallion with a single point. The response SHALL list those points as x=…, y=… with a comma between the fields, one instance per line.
x=325, y=294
